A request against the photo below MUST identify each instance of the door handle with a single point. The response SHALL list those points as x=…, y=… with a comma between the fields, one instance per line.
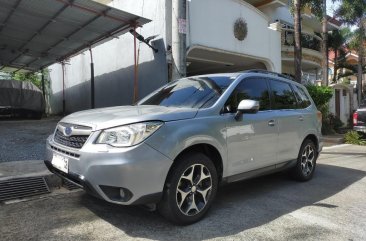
x=271, y=123
x=301, y=118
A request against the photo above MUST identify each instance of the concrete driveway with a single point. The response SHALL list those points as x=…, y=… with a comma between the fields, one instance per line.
x=330, y=207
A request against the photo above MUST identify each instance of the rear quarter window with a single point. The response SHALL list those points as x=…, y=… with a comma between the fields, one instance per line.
x=303, y=98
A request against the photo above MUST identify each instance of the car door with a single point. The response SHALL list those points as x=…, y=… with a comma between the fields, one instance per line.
x=252, y=139
x=289, y=120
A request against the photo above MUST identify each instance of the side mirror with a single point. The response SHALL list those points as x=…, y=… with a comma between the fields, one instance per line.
x=247, y=106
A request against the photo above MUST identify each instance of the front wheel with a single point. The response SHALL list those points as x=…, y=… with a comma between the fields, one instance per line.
x=306, y=161
x=190, y=189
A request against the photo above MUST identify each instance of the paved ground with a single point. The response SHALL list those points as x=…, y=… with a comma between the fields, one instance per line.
x=24, y=139
x=330, y=207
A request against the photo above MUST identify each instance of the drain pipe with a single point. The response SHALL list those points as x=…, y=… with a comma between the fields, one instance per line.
x=135, y=83
x=92, y=93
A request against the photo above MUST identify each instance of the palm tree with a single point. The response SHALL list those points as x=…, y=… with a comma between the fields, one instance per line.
x=352, y=12
x=297, y=4
x=337, y=40
x=324, y=43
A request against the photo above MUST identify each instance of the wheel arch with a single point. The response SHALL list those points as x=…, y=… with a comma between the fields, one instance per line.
x=313, y=138
x=207, y=149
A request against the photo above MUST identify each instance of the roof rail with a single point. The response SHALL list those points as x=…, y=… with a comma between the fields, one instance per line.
x=262, y=71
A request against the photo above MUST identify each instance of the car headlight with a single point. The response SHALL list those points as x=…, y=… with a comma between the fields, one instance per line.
x=128, y=135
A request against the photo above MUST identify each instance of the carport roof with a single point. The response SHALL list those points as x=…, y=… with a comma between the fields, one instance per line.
x=37, y=33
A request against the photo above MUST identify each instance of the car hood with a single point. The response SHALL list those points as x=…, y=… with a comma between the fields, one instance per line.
x=103, y=118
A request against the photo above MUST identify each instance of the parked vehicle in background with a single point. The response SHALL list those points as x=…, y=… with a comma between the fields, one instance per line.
x=179, y=143
x=359, y=118
x=20, y=99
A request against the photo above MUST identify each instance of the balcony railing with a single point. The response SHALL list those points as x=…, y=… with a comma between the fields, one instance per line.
x=307, y=41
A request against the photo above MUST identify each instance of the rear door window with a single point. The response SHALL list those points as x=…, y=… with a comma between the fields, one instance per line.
x=302, y=97
x=283, y=95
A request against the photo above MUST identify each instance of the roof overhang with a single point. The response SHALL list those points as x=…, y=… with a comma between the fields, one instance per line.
x=35, y=34
x=312, y=21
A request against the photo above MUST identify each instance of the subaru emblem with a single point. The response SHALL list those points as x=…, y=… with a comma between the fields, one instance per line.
x=68, y=131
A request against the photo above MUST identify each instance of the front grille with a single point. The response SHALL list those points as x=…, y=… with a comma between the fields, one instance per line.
x=65, y=152
x=70, y=141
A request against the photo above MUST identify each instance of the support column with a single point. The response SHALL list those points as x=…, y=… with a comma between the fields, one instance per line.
x=179, y=30
x=92, y=90
x=43, y=87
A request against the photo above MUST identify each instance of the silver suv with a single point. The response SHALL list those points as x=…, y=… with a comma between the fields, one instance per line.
x=177, y=145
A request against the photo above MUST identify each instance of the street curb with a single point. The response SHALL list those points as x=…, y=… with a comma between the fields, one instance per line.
x=336, y=146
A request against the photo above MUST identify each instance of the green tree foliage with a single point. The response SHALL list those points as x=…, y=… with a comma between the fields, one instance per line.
x=337, y=42
x=35, y=78
x=320, y=94
x=353, y=13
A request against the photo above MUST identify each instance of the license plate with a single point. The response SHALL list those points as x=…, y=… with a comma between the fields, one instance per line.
x=61, y=163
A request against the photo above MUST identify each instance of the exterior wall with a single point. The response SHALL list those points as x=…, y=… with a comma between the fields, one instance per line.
x=345, y=105
x=214, y=29
x=113, y=64
x=280, y=13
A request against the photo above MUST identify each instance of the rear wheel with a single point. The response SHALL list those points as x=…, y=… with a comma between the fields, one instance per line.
x=190, y=189
x=306, y=161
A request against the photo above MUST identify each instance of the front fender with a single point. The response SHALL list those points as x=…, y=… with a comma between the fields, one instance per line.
x=176, y=136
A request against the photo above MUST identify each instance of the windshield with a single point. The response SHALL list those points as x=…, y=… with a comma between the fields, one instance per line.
x=193, y=92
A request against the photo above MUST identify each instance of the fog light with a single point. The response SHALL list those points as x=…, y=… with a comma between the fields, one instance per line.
x=118, y=194
x=122, y=193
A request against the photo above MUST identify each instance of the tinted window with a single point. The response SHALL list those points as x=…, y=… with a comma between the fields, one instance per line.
x=363, y=104
x=303, y=99
x=253, y=89
x=189, y=92
x=283, y=96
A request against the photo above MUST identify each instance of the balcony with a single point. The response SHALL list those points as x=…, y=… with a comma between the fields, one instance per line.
x=307, y=41
x=311, y=49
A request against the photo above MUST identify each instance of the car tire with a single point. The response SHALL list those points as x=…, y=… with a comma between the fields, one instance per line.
x=190, y=189
x=306, y=162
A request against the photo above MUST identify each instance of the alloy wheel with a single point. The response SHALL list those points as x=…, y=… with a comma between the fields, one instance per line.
x=194, y=189
x=307, y=160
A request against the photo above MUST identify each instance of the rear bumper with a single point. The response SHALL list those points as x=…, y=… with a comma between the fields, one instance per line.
x=360, y=128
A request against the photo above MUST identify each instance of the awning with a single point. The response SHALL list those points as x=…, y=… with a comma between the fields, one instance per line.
x=37, y=33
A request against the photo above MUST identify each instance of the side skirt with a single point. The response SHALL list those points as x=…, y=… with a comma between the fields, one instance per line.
x=260, y=172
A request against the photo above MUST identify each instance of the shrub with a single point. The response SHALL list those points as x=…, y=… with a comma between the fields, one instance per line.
x=352, y=137
x=335, y=122
x=321, y=96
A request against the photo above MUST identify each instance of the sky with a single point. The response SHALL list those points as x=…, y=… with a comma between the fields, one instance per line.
x=331, y=7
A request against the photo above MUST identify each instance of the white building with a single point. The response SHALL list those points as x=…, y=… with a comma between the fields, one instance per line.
x=222, y=36
x=211, y=47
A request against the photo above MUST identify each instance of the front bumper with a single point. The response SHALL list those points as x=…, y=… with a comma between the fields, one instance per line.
x=140, y=171
x=360, y=128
